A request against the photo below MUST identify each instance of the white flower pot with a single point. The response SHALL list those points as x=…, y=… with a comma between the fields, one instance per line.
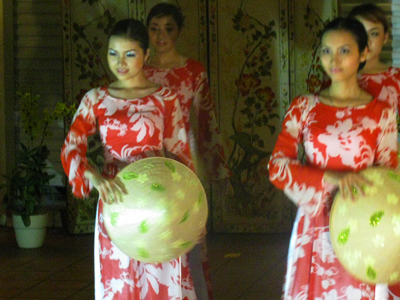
x=32, y=236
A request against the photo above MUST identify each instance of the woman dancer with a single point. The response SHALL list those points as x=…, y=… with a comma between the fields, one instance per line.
x=136, y=119
x=377, y=78
x=344, y=130
x=188, y=78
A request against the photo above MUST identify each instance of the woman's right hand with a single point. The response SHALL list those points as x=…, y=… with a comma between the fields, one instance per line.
x=110, y=189
x=350, y=184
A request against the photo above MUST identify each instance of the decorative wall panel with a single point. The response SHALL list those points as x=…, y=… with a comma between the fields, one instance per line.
x=396, y=33
x=309, y=18
x=259, y=56
x=249, y=75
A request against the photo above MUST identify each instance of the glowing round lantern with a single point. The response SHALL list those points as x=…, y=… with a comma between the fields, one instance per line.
x=365, y=233
x=164, y=213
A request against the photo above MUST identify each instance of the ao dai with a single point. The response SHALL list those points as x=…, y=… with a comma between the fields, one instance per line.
x=337, y=139
x=130, y=129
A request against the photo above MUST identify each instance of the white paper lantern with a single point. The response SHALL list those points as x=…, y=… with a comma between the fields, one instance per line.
x=365, y=233
x=164, y=213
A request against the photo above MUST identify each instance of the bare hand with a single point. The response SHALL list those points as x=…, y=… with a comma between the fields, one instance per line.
x=350, y=184
x=110, y=189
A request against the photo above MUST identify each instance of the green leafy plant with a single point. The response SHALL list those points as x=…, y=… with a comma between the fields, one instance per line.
x=26, y=184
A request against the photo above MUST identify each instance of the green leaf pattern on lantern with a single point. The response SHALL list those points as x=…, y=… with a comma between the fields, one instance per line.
x=201, y=198
x=170, y=166
x=144, y=227
x=130, y=176
x=179, y=243
x=114, y=218
x=371, y=273
x=394, y=175
x=157, y=187
x=142, y=252
x=343, y=236
x=186, y=245
x=392, y=198
x=166, y=235
x=200, y=201
x=396, y=222
x=185, y=217
x=376, y=218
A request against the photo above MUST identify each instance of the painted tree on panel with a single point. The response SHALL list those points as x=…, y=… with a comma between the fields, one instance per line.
x=88, y=41
x=254, y=102
x=316, y=78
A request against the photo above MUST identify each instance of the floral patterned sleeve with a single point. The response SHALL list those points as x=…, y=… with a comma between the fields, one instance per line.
x=73, y=153
x=385, y=86
x=387, y=141
x=396, y=78
x=301, y=183
x=209, y=143
x=175, y=135
x=390, y=87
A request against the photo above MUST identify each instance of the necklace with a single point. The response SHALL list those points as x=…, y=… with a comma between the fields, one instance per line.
x=347, y=104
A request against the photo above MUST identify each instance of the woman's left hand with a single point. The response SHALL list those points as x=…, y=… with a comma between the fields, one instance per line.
x=350, y=184
x=110, y=189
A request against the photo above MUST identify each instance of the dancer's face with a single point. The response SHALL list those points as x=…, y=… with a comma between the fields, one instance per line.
x=125, y=57
x=163, y=33
x=340, y=55
x=376, y=37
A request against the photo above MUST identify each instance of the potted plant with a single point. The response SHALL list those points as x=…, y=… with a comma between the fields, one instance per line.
x=25, y=186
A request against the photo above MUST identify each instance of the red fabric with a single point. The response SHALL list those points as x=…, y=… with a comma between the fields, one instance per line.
x=191, y=84
x=130, y=130
x=352, y=138
x=385, y=86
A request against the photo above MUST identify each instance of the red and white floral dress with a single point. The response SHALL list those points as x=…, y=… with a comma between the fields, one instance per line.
x=385, y=86
x=339, y=139
x=191, y=84
x=130, y=130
